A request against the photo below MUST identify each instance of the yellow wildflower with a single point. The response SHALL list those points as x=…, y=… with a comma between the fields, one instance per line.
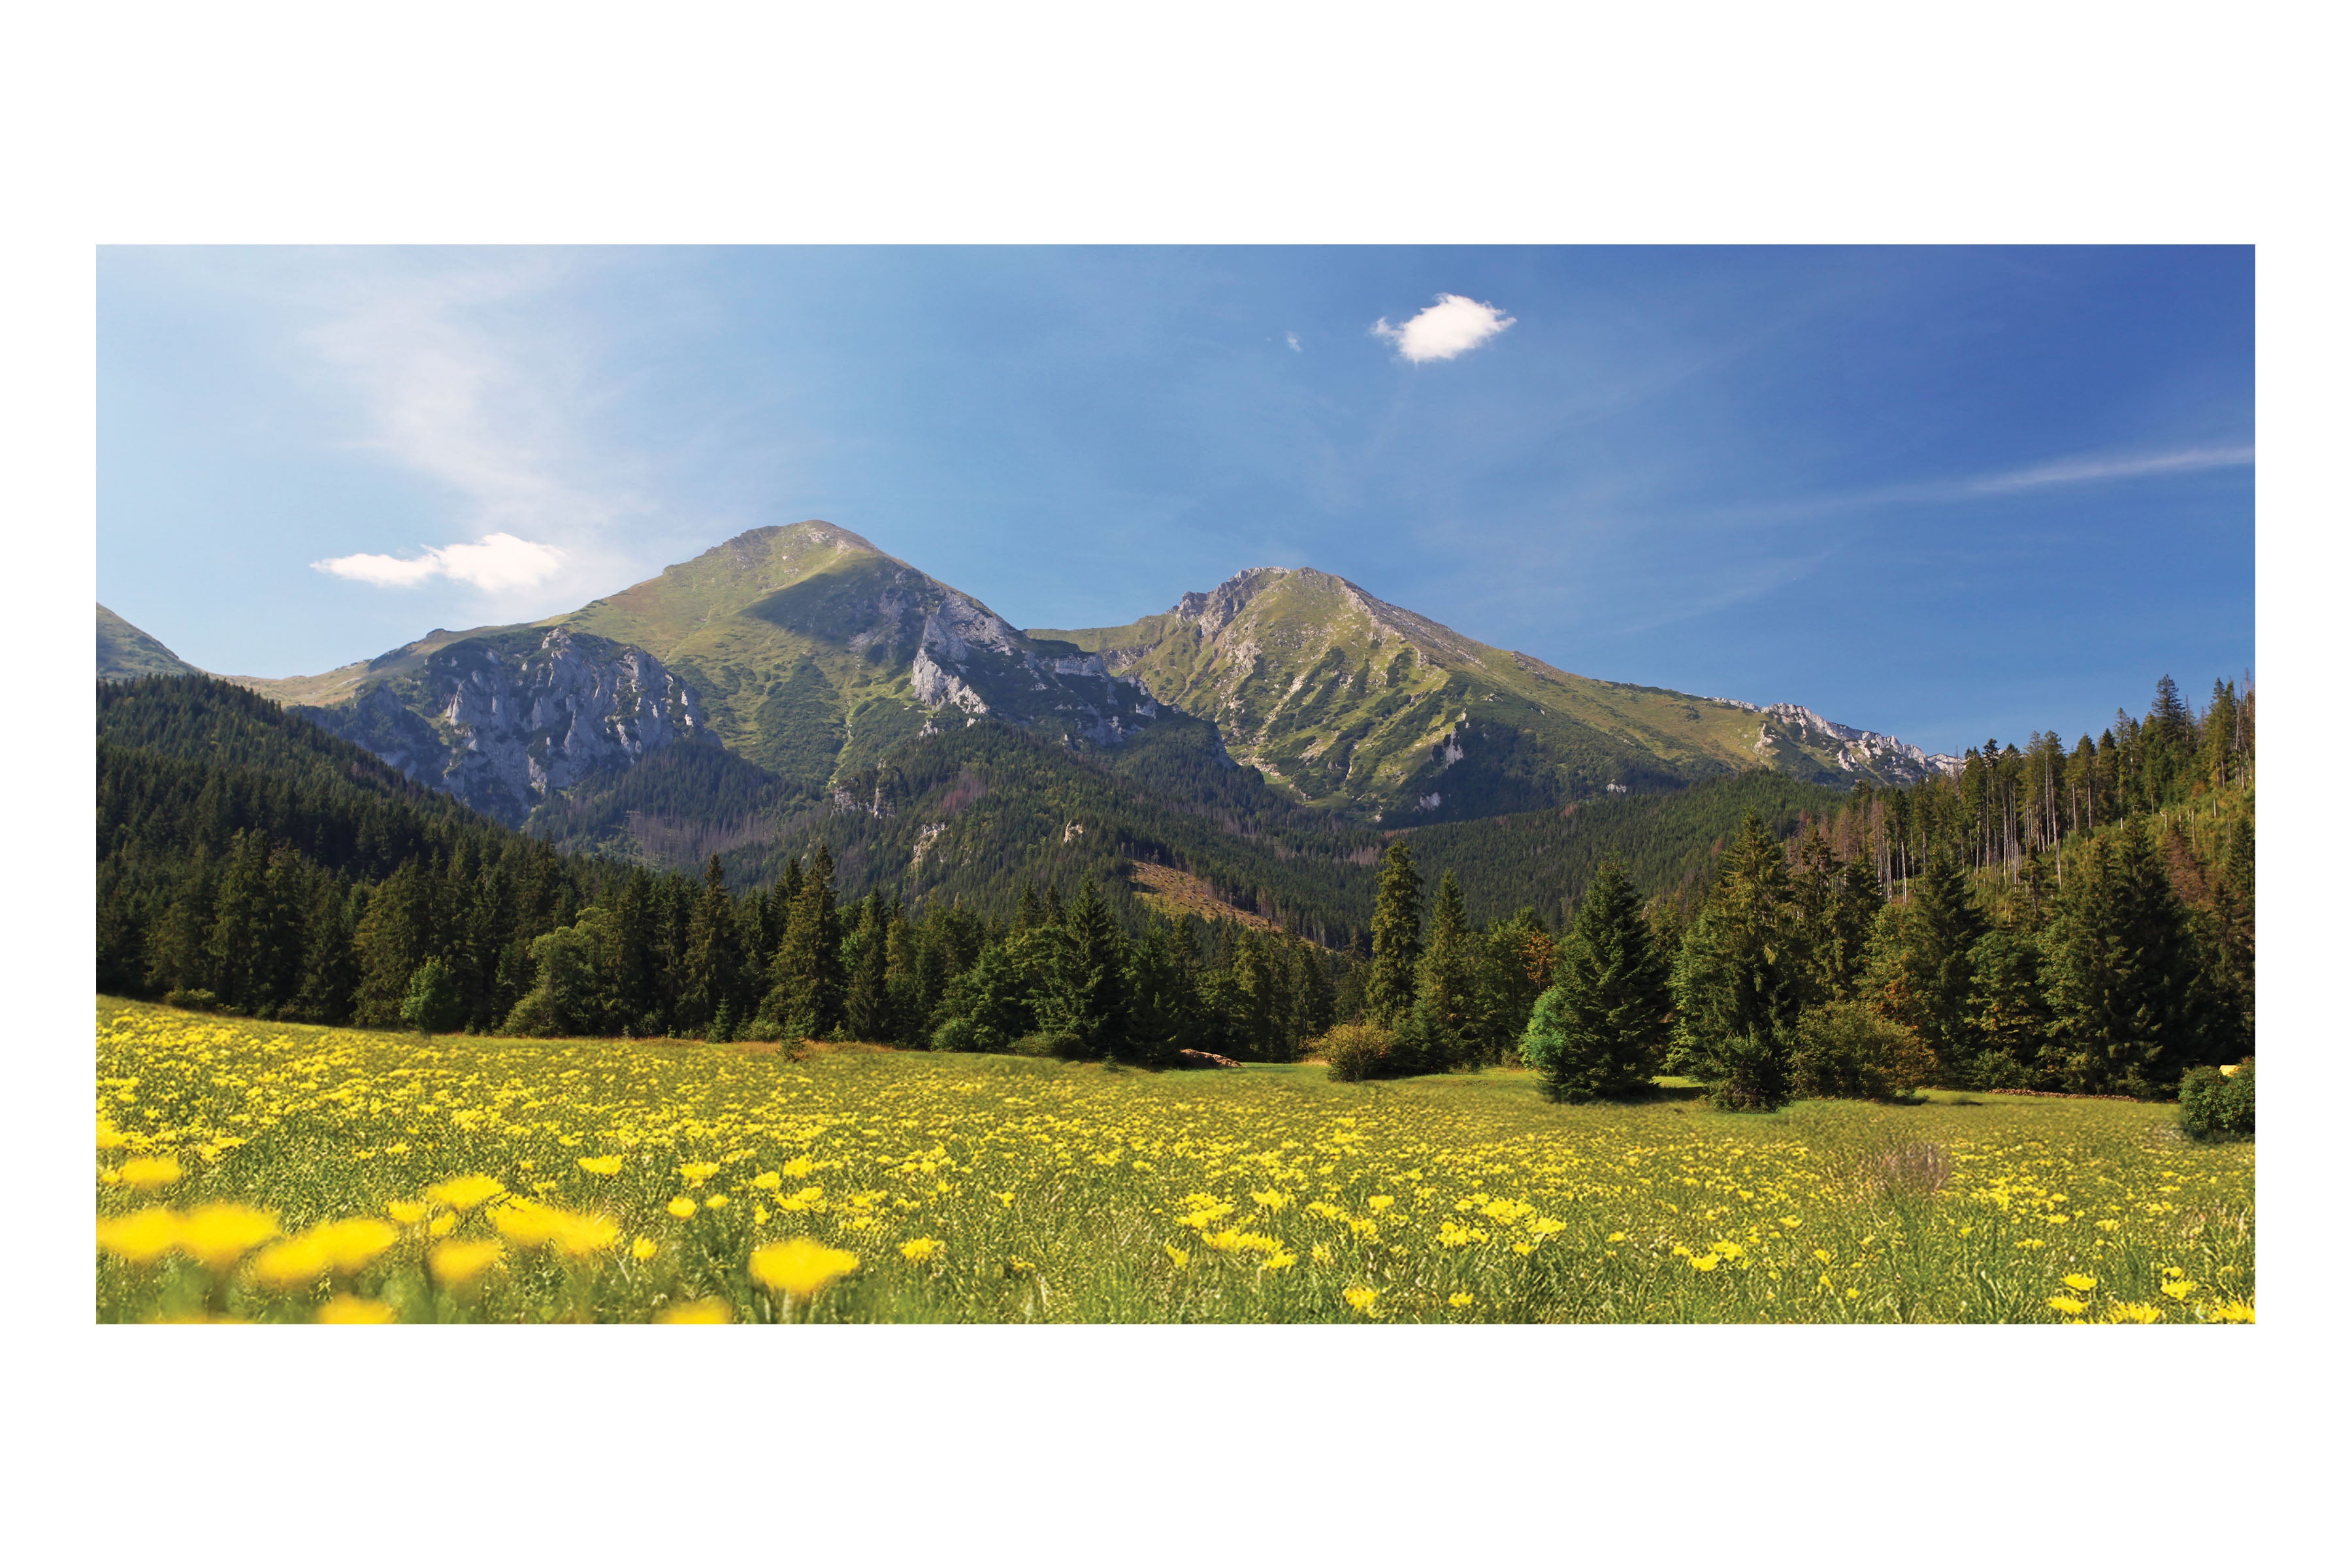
x=1363, y=1298
x=1461, y=1299
x=681, y=1207
x=800, y=1267
x=1705, y=1262
x=358, y=1309
x=443, y=1224
x=161, y=1170
x=2234, y=1312
x=2081, y=1282
x=922, y=1250
x=2179, y=1289
x=697, y=1172
x=711, y=1309
x=645, y=1247
x=2066, y=1304
x=1278, y=1260
x=1176, y=1255
x=602, y=1164
x=142, y=1237
x=463, y=1193
x=217, y=1234
x=2135, y=1312
x=406, y=1212
x=456, y=1262
x=767, y=1181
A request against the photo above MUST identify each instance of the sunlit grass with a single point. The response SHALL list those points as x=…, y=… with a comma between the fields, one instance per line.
x=293, y=1173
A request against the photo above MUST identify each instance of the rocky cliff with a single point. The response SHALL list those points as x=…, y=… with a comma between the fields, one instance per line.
x=503, y=722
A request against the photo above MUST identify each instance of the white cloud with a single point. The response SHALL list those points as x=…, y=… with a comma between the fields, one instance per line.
x=494, y=564
x=1292, y=338
x=2079, y=470
x=1451, y=327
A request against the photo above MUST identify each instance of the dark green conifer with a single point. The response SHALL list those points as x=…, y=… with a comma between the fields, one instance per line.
x=1396, y=938
x=1599, y=1032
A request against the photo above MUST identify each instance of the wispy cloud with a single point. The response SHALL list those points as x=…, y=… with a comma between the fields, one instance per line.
x=466, y=381
x=2084, y=470
x=1447, y=330
x=1292, y=338
x=495, y=563
x=2094, y=469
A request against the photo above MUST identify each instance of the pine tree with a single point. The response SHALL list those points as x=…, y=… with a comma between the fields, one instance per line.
x=865, y=965
x=1396, y=938
x=1442, y=1033
x=1927, y=964
x=713, y=963
x=1599, y=1032
x=1164, y=995
x=1090, y=990
x=2131, y=1005
x=1743, y=976
x=804, y=998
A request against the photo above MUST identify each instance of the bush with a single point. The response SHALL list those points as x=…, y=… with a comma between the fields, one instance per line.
x=1355, y=1052
x=1050, y=1043
x=2217, y=1104
x=1846, y=1050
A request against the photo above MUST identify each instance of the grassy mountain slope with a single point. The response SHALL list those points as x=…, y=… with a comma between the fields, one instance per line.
x=1356, y=705
x=126, y=653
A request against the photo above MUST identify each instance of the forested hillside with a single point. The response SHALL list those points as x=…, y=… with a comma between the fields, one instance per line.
x=2042, y=918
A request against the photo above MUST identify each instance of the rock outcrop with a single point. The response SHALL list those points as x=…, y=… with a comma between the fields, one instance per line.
x=504, y=721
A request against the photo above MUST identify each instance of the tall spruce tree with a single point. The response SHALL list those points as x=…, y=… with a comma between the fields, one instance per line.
x=712, y=970
x=1090, y=991
x=1743, y=976
x=2132, y=1007
x=804, y=998
x=1396, y=938
x=1599, y=1032
x=865, y=966
x=1443, y=1031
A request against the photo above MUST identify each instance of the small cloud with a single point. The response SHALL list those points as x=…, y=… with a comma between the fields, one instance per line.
x=496, y=562
x=1451, y=327
x=1292, y=338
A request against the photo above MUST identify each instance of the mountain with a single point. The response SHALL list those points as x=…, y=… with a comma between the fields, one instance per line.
x=126, y=653
x=1353, y=704
x=692, y=712
x=506, y=719
x=814, y=653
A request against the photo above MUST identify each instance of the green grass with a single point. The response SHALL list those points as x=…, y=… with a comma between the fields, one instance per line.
x=1065, y=1193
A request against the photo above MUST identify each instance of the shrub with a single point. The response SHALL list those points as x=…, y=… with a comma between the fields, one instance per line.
x=1050, y=1043
x=1846, y=1050
x=2216, y=1105
x=1358, y=1051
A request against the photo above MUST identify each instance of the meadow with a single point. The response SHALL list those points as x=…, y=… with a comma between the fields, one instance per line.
x=280, y=1172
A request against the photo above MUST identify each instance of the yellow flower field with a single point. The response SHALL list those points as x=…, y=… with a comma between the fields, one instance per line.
x=284, y=1173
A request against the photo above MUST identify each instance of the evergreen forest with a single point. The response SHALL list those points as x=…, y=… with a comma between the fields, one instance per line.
x=2048, y=918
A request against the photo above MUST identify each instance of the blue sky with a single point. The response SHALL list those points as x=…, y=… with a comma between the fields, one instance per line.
x=1943, y=493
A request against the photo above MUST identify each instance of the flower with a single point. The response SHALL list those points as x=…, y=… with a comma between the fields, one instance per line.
x=1176, y=1255
x=2235, y=1311
x=709, y=1309
x=463, y=1193
x=1380, y=1202
x=2080, y=1282
x=645, y=1247
x=1461, y=1299
x=217, y=1234
x=1616, y=1236
x=767, y=1181
x=358, y=1309
x=922, y=1250
x=697, y=1172
x=800, y=1267
x=443, y=1224
x=1363, y=1298
x=528, y=1223
x=681, y=1207
x=1705, y=1262
x=142, y=1237
x=456, y=1262
x=601, y=1165
x=406, y=1213
x=2178, y=1288
x=2066, y=1304
x=160, y=1171
x=2135, y=1312
x=1278, y=1260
